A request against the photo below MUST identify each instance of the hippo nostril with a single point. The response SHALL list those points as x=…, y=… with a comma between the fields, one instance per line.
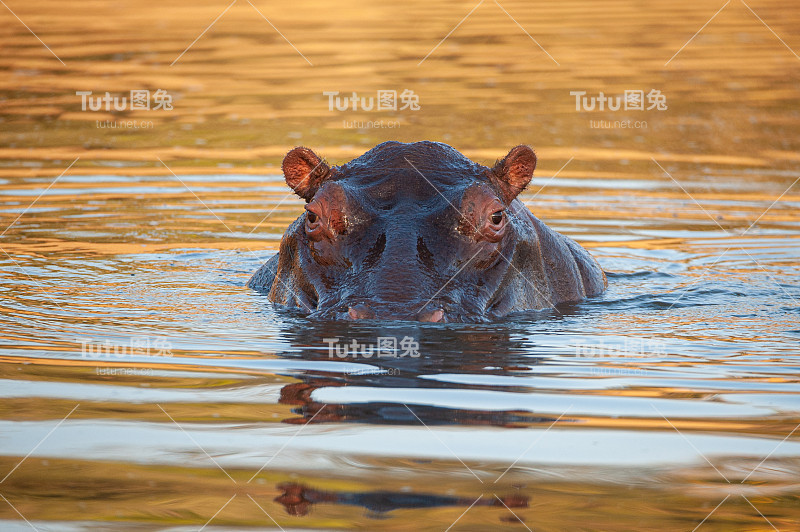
x=360, y=312
x=432, y=316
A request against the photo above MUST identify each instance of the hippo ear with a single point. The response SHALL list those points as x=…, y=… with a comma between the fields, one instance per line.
x=513, y=172
x=304, y=172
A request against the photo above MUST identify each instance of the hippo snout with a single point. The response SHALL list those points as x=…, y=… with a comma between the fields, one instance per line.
x=423, y=313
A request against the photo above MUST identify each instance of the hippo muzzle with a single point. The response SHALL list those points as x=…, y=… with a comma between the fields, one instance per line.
x=383, y=311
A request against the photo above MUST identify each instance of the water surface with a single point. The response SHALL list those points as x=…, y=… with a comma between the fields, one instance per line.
x=671, y=402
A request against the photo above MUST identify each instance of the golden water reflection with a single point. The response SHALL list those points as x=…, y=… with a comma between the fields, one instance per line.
x=694, y=217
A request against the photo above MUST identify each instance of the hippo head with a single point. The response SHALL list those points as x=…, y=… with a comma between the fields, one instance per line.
x=420, y=232
x=406, y=231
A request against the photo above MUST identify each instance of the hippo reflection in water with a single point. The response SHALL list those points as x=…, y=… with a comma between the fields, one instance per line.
x=419, y=232
x=298, y=499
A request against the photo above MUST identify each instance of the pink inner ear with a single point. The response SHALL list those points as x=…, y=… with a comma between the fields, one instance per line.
x=520, y=172
x=304, y=172
x=513, y=173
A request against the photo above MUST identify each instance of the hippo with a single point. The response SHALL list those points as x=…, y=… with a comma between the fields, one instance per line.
x=419, y=232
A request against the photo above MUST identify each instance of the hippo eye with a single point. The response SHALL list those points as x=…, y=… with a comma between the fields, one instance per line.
x=311, y=217
x=497, y=217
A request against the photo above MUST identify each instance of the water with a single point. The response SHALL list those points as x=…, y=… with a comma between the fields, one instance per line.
x=671, y=402
x=620, y=409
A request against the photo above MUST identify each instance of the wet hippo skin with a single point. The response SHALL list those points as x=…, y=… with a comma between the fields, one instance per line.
x=419, y=232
